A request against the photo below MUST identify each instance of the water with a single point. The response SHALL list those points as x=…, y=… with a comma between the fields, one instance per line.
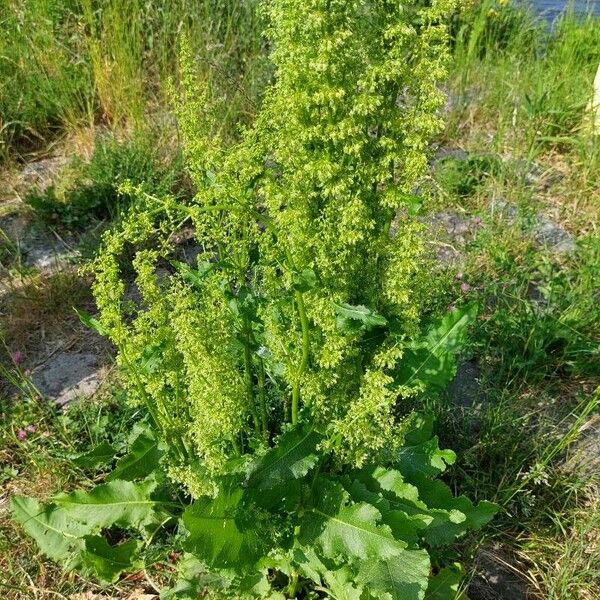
x=550, y=9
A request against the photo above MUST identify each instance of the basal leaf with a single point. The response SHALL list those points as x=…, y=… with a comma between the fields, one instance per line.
x=340, y=581
x=116, y=503
x=141, y=460
x=446, y=585
x=271, y=477
x=400, y=577
x=54, y=530
x=431, y=361
x=193, y=579
x=100, y=455
x=223, y=532
x=462, y=515
x=341, y=527
x=108, y=562
x=425, y=458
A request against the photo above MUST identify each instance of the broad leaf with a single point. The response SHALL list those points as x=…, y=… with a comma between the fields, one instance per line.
x=324, y=572
x=116, y=503
x=401, y=577
x=353, y=318
x=223, y=531
x=446, y=585
x=340, y=527
x=305, y=280
x=141, y=460
x=108, y=562
x=271, y=478
x=193, y=580
x=55, y=532
x=425, y=458
x=99, y=456
x=431, y=362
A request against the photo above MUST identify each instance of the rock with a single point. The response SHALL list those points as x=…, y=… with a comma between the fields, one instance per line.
x=464, y=389
x=41, y=174
x=553, y=236
x=68, y=376
x=495, y=579
x=584, y=454
x=444, y=153
x=449, y=233
x=504, y=209
x=35, y=247
x=534, y=174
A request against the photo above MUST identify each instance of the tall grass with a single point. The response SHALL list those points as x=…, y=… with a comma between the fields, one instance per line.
x=64, y=63
x=526, y=84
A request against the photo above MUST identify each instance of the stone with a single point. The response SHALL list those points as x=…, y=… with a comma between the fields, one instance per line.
x=552, y=236
x=464, y=390
x=495, y=579
x=68, y=376
x=584, y=454
x=41, y=174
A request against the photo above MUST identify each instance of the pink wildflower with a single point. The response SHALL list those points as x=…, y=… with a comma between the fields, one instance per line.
x=18, y=357
x=451, y=307
x=21, y=434
x=477, y=220
x=30, y=428
x=465, y=288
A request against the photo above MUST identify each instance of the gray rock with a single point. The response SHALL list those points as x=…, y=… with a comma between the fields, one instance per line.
x=41, y=174
x=549, y=234
x=464, y=389
x=504, y=209
x=36, y=247
x=584, y=454
x=452, y=153
x=495, y=579
x=68, y=376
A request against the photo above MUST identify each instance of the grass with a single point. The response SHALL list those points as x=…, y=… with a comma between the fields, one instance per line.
x=519, y=108
x=70, y=64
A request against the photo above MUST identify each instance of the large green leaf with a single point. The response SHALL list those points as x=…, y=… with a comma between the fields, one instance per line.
x=108, y=562
x=223, y=531
x=141, y=460
x=55, y=532
x=446, y=585
x=426, y=458
x=339, y=526
x=431, y=361
x=272, y=478
x=193, y=579
x=98, y=456
x=116, y=503
x=450, y=516
x=400, y=577
x=324, y=572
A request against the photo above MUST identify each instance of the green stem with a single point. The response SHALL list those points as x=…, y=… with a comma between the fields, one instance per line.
x=263, y=399
x=249, y=381
x=305, y=355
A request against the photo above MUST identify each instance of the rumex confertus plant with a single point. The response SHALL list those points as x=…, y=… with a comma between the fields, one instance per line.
x=273, y=366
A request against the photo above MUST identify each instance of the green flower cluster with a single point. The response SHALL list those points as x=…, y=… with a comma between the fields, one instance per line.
x=309, y=279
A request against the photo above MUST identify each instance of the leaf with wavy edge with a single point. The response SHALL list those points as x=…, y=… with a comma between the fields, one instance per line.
x=343, y=528
x=108, y=562
x=116, y=503
x=55, y=532
x=401, y=577
x=271, y=477
x=140, y=461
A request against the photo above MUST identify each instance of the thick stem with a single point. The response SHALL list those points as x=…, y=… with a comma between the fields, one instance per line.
x=305, y=355
x=250, y=382
x=263, y=399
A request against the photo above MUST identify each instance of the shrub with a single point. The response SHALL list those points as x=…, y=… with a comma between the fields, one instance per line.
x=273, y=369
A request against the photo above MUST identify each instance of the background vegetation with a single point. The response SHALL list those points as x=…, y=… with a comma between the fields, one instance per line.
x=89, y=80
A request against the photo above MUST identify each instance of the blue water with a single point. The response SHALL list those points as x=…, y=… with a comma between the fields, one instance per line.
x=553, y=8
